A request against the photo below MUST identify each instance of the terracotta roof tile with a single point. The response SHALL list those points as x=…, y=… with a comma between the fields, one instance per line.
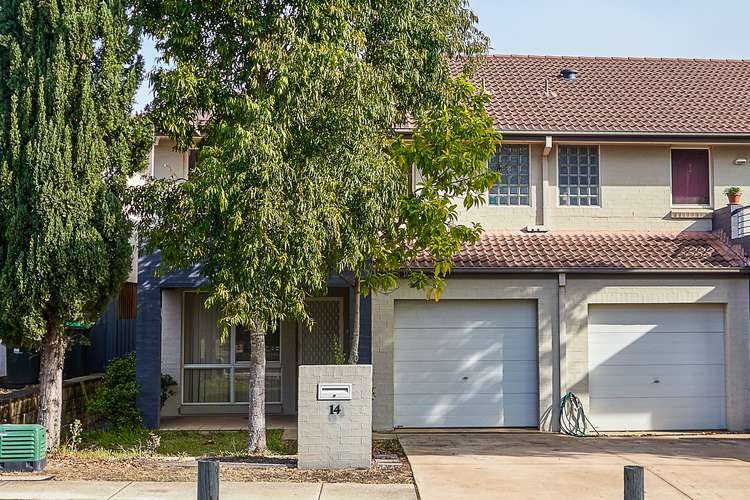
x=617, y=95
x=598, y=250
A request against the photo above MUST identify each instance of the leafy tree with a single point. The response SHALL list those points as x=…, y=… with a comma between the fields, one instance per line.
x=300, y=98
x=415, y=213
x=68, y=142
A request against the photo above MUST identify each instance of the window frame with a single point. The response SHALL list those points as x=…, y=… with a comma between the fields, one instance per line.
x=557, y=173
x=274, y=366
x=710, y=204
x=530, y=194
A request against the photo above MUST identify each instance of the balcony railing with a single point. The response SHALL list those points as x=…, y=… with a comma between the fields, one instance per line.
x=740, y=221
x=734, y=221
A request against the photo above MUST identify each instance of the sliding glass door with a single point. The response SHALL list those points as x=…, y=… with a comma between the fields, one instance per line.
x=216, y=369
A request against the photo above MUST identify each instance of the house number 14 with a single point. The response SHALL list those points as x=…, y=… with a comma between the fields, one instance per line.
x=334, y=410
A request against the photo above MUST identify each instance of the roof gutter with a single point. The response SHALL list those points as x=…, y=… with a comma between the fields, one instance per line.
x=532, y=270
x=628, y=133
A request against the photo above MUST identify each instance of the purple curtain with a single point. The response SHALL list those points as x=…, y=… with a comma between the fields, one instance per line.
x=690, y=177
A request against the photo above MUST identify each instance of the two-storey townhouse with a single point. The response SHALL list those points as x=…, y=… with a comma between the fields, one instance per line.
x=600, y=272
x=606, y=269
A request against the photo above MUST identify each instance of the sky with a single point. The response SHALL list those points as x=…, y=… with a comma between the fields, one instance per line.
x=653, y=28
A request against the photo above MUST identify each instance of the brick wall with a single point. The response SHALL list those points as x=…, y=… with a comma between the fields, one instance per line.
x=342, y=440
x=20, y=407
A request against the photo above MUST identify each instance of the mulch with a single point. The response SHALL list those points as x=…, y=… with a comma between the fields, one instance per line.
x=70, y=467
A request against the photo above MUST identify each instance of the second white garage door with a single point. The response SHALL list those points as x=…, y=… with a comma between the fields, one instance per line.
x=465, y=363
x=656, y=367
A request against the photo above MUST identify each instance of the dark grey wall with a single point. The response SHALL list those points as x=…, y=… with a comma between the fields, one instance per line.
x=365, y=334
x=111, y=337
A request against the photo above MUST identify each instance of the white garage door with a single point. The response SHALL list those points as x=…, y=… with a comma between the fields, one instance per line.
x=461, y=363
x=657, y=367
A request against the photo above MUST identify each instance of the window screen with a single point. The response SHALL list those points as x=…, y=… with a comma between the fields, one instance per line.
x=578, y=175
x=513, y=164
x=690, y=177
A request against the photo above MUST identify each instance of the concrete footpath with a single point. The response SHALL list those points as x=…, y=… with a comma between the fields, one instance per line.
x=131, y=490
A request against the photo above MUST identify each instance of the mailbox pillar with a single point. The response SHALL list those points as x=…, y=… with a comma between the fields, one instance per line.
x=334, y=419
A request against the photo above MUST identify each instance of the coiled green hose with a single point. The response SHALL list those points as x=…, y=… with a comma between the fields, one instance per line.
x=573, y=420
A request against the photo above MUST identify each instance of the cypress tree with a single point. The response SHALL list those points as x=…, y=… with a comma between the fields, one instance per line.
x=68, y=143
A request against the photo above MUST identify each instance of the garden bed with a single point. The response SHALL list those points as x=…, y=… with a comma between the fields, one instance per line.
x=133, y=456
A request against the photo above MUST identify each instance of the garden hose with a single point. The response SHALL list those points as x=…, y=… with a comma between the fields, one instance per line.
x=573, y=420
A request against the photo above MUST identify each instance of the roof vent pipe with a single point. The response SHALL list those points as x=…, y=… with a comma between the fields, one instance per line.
x=568, y=74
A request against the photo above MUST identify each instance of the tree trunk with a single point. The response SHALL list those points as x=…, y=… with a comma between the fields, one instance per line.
x=256, y=422
x=354, y=342
x=50, y=382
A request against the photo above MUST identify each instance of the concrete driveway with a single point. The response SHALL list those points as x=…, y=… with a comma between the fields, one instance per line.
x=532, y=465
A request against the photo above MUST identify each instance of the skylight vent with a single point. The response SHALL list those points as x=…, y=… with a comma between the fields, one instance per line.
x=568, y=74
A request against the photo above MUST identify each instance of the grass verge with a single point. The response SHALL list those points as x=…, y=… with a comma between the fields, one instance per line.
x=139, y=442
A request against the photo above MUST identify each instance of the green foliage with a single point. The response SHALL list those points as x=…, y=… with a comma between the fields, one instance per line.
x=68, y=142
x=167, y=383
x=114, y=400
x=449, y=151
x=338, y=352
x=733, y=191
x=300, y=99
x=135, y=442
x=415, y=210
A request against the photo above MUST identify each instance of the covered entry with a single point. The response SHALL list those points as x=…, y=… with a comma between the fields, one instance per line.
x=211, y=370
x=465, y=363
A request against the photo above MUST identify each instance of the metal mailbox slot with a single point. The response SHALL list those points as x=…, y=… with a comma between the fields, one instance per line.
x=331, y=392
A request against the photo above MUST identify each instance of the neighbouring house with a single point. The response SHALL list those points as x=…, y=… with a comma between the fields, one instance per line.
x=611, y=266
x=91, y=347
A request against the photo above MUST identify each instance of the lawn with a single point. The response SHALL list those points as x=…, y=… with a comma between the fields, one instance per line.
x=134, y=442
x=127, y=456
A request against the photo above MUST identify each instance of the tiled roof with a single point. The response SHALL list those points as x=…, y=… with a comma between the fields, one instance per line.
x=506, y=250
x=617, y=95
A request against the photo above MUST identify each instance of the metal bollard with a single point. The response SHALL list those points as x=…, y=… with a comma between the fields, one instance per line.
x=634, y=482
x=208, y=480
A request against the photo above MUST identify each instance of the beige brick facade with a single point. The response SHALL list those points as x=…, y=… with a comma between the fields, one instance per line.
x=171, y=346
x=732, y=293
x=635, y=192
x=543, y=289
x=329, y=440
x=581, y=290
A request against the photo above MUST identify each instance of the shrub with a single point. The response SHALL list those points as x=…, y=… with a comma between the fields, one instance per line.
x=114, y=400
x=167, y=382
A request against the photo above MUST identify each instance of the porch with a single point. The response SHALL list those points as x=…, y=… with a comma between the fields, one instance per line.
x=228, y=423
x=176, y=337
x=212, y=370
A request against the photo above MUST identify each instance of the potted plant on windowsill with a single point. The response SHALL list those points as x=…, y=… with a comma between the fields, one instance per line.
x=733, y=195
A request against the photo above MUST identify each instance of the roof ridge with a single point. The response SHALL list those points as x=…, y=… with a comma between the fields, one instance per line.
x=703, y=234
x=616, y=58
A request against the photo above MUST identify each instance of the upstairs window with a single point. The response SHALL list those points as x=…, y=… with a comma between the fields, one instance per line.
x=690, y=177
x=512, y=162
x=578, y=175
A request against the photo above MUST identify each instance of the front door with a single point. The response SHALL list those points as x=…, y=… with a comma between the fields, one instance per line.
x=323, y=342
